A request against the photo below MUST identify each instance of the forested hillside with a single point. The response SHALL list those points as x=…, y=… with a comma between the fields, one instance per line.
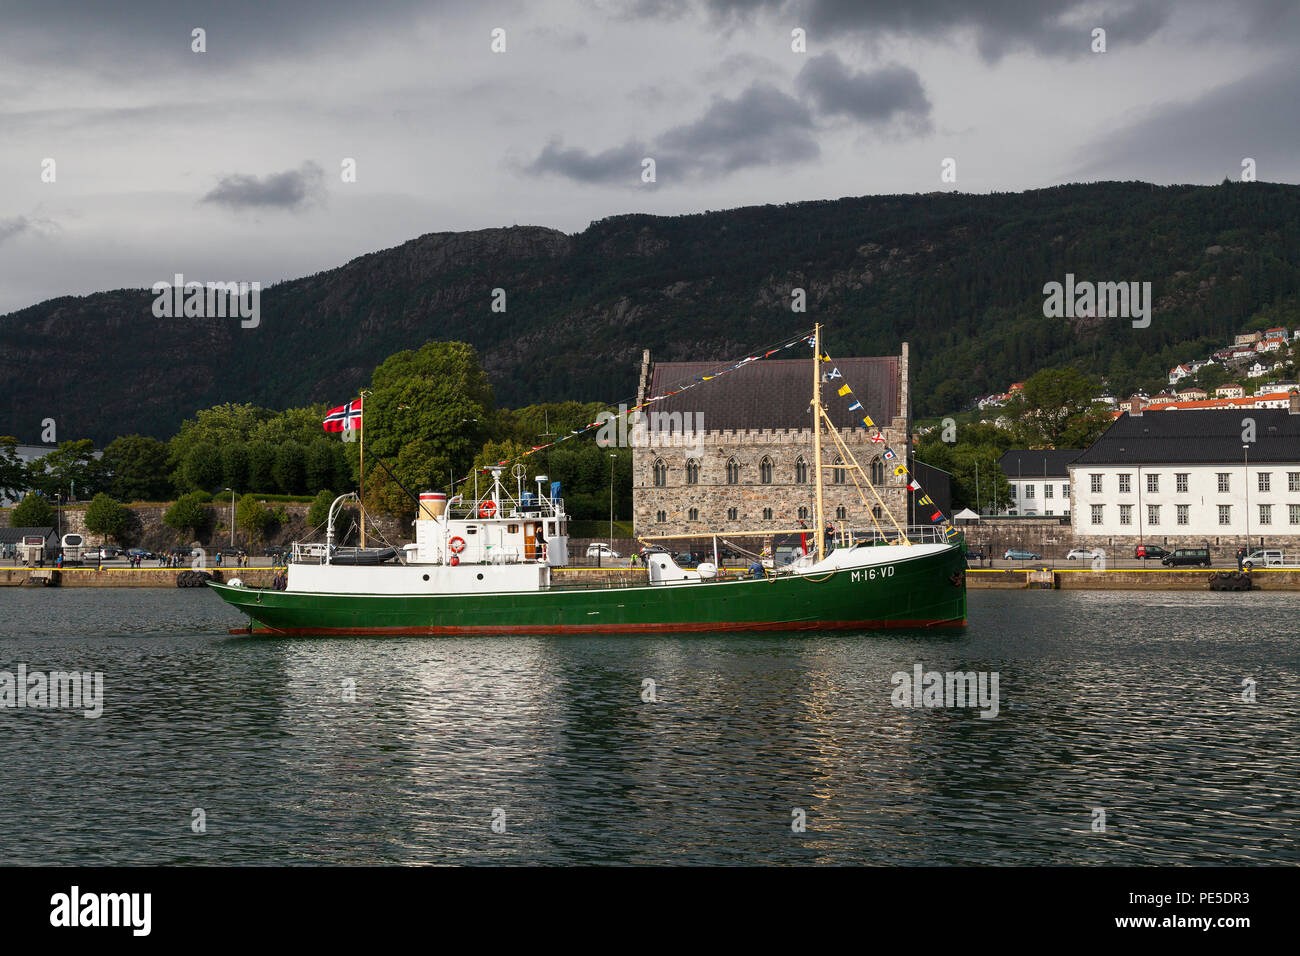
x=959, y=276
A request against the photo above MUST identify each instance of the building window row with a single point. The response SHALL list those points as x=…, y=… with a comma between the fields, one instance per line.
x=766, y=471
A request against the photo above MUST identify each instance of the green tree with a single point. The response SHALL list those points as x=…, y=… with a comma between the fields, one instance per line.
x=234, y=465
x=107, y=517
x=32, y=512
x=138, y=468
x=201, y=469
x=186, y=514
x=302, y=425
x=252, y=517
x=261, y=467
x=1046, y=411
x=13, y=470
x=325, y=465
x=72, y=468
x=428, y=412
x=289, y=469
x=319, y=511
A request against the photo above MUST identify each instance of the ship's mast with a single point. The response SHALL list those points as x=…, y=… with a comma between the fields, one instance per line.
x=817, y=438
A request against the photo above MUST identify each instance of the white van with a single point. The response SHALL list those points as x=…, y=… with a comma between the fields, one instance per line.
x=1269, y=558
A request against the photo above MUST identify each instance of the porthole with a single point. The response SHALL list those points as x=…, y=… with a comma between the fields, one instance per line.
x=480, y=577
x=426, y=577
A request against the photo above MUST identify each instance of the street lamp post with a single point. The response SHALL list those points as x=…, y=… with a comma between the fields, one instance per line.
x=232, y=516
x=1245, y=449
x=612, y=458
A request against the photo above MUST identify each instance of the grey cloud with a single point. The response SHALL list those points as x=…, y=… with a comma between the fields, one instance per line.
x=620, y=164
x=293, y=189
x=13, y=227
x=1053, y=27
x=1206, y=139
x=873, y=97
x=760, y=127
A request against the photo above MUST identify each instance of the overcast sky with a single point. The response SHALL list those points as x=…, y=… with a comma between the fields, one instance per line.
x=226, y=164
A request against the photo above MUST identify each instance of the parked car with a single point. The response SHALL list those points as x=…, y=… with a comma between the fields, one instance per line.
x=92, y=554
x=109, y=551
x=1015, y=554
x=1079, y=554
x=141, y=553
x=1187, y=557
x=1269, y=558
x=1150, y=551
x=598, y=549
x=975, y=554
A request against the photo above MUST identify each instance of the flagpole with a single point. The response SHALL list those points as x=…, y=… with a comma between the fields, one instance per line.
x=817, y=437
x=361, y=474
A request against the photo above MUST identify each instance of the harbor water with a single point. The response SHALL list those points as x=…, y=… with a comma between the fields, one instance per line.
x=1131, y=728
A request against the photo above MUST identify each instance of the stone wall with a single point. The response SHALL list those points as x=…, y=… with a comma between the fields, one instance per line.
x=148, y=530
x=1050, y=537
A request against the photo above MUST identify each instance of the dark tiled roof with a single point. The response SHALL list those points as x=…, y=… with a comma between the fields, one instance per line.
x=15, y=535
x=1208, y=436
x=1038, y=462
x=777, y=393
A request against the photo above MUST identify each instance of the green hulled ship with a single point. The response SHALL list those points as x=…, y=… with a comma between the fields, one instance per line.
x=497, y=563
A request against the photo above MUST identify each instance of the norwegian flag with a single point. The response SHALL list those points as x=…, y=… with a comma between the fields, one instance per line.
x=344, y=417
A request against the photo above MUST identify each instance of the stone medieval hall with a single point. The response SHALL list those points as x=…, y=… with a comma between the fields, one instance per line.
x=750, y=465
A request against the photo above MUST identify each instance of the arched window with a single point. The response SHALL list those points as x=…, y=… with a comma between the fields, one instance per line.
x=767, y=514
x=841, y=512
x=731, y=514
x=838, y=473
x=765, y=470
x=733, y=471
x=661, y=473
x=800, y=471
x=661, y=516
x=803, y=514
x=875, y=510
x=877, y=471
x=692, y=471
x=693, y=514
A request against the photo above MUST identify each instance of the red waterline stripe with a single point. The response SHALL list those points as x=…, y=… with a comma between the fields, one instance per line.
x=610, y=628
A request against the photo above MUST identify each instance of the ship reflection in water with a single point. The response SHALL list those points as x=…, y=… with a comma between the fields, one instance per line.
x=409, y=750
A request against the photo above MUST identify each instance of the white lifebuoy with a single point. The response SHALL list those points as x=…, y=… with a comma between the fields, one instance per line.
x=456, y=544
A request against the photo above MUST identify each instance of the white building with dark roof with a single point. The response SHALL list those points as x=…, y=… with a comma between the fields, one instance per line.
x=1181, y=480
